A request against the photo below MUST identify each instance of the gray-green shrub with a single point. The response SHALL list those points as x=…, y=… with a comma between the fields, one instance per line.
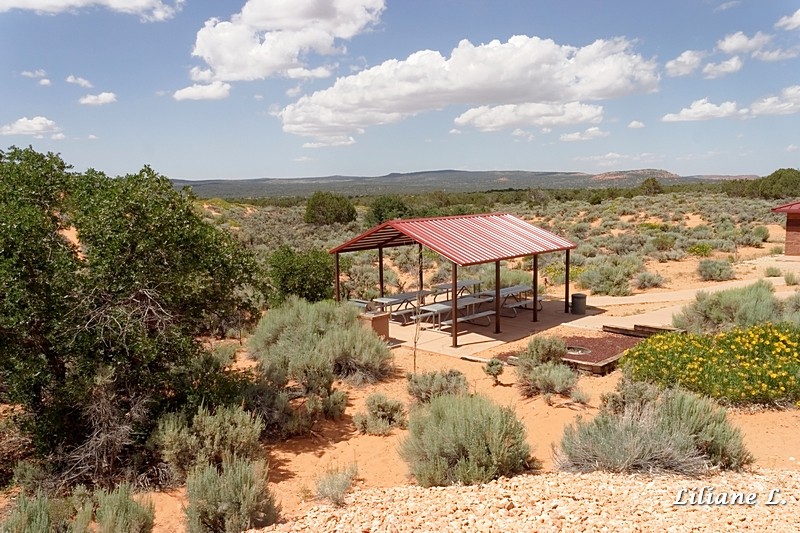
x=715, y=270
x=545, y=378
x=464, y=439
x=381, y=416
x=425, y=386
x=772, y=272
x=230, y=499
x=610, y=274
x=209, y=439
x=722, y=310
x=791, y=278
x=544, y=348
x=335, y=483
x=644, y=430
x=647, y=280
x=118, y=512
x=494, y=368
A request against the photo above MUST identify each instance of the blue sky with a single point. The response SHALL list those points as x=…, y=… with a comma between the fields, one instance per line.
x=293, y=88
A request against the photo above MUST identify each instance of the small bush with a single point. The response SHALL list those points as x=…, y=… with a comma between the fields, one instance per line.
x=674, y=431
x=31, y=515
x=722, y=310
x=118, y=512
x=715, y=270
x=382, y=415
x=701, y=249
x=550, y=377
x=648, y=280
x=211, y=438
x=776, y=250
x=232, y=499
x=579, y=396
x=772, y=272
x=791, y=278
x=610, y=275
x=428, y=385
x=494, y=368
x=464, y=439
x=357, y=354
x=544, y=348
x=335, y=483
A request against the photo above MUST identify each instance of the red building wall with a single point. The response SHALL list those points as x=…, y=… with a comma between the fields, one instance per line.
x=792, y=234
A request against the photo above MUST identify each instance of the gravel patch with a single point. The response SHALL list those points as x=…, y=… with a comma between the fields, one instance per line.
x=563, y=501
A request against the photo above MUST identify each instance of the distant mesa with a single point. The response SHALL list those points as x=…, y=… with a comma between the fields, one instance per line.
x=424, y=182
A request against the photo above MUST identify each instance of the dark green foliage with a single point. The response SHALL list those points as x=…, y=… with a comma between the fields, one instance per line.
x=381, y=416
x=715, y=270
x=494, y=368
x=464, y=439
x=645, y=430
x=388, y=207
x=231, y=499
x=308, y=275
x=96, y=345
x=326, y=208
x=426, y=386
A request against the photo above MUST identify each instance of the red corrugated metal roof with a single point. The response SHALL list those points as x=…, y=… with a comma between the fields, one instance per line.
x=793, y=207
x=465, y=240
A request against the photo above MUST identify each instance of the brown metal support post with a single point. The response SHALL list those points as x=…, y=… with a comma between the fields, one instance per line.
x=420, y=267
x=497, y=296
x=536, y=287
x=336, y=275
x=454, y=309
x=566, y=285
x=380, y=271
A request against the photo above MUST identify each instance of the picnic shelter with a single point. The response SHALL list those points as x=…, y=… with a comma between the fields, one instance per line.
x=464, y=240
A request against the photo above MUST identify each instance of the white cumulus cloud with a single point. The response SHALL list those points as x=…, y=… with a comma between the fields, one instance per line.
x=787, y=103
x=276, y=38
x=45, y=82
x=739, y=43
x=717, y=70
x=588, y=134
x=37, y=126
x=494, y=118
x=79, y=81
x=635, y=124
x=98, y=99
x=38, y=73
x=544, y=81
x=685, y=64
x=703, y=110
x=789, y=22
x=148, y=10
x=211, y=91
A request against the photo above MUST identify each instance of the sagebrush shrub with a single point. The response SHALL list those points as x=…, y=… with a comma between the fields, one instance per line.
x=610, y=274
x=357, y=354
x=381, y=416
x=644, y=430
x=725, y=309
x=715, y=270
x=791, y=278
x=494, y=368
x=545, y=378
x=544, y=348
x=772, y=272
x=209, y=439
x=118, y=512
x=335, y=482
x=425, y=386
x=647, y=280
x=464, y=439
x=230, y=499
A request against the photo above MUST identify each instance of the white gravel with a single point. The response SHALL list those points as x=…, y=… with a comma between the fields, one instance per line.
x=567, y=502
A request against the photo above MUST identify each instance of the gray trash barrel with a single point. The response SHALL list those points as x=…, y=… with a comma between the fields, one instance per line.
x=578, y=304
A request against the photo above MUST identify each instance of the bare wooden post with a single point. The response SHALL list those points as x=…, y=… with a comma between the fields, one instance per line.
x=497, y=296
x=566, y=285
x=454, y=309
x=380, y=271
x=336, y=275
x=536, y=287
x=419, y=287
